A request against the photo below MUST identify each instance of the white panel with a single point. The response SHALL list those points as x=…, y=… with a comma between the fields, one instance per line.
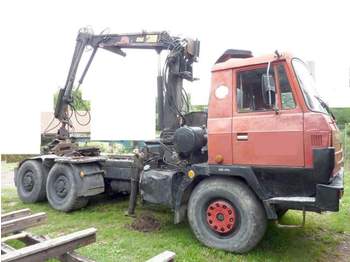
x=122, y=91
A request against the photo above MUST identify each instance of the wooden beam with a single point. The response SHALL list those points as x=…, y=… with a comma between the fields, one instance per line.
x=30, y=239
x=74, y=257
x=6, y=248
x=15, y=214
x=166, y=256
x=16, y=236
x=18, y=224
x=52, y=248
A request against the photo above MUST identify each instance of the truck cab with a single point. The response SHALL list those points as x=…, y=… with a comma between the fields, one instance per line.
x=265, y=114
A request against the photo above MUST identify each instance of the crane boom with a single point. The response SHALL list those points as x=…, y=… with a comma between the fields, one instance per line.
x=178, y=66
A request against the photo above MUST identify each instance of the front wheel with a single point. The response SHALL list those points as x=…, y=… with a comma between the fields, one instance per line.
x=62, y=191
x=226, y=214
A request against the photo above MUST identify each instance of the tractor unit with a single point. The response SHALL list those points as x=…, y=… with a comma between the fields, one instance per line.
x=267, y=143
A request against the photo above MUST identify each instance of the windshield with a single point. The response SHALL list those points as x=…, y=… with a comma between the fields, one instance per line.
x=307, y=85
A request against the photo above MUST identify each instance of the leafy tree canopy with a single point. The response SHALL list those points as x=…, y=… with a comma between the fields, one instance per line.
x=78, y=102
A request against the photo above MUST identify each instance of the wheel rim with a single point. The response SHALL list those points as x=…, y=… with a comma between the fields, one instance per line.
x=28, y=181
x=61, y=186
x=221, y=216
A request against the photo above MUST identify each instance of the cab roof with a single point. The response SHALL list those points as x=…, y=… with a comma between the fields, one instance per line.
x=241, y=62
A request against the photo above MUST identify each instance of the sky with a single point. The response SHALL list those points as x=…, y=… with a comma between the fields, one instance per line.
x=38, y=38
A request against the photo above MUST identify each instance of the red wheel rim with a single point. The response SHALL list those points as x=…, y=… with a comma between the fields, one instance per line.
x=221, y=216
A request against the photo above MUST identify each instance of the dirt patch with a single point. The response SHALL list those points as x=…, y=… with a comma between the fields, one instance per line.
x=342, y=251
x=145, y=222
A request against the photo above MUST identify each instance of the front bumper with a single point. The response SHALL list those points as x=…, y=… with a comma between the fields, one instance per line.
x=328, y=196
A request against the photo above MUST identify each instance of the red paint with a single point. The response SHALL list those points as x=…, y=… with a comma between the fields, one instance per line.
x=221, y=216
x=220, y=119
x=283, y=139
x=272, y=139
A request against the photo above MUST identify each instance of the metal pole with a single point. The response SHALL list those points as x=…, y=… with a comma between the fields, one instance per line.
x=134, y=184
x=160, y=95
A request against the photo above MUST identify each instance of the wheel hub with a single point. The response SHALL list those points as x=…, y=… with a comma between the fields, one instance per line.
x=61, y=186
x=28, y=181
x=221, y=216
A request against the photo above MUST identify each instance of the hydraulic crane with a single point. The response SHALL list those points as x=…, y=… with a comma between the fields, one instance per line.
x=172, y=99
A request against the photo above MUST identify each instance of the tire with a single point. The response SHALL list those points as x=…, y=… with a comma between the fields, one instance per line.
x=238, y=231
x=62, y=190
x=31, y=182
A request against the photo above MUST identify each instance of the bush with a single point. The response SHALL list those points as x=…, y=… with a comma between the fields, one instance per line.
x=78, y=102
x=342, y=115
x=348, y=130
x=105, y=147
x=13, y=158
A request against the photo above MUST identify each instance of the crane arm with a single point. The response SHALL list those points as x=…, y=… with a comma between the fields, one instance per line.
x=183, y=52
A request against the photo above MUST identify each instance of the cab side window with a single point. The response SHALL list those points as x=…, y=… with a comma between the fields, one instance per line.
x=287, y=99
x=255, y=90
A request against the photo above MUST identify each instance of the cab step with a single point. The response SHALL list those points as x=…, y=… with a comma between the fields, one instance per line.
x=292, y=200
x=299, y=201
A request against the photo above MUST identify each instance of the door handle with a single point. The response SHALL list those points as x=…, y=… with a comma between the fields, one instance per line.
x=242, y=136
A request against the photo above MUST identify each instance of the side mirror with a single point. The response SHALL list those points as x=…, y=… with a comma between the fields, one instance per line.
x=268, y=89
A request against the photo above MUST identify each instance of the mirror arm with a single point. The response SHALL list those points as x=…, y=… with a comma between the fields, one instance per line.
x=268, y=81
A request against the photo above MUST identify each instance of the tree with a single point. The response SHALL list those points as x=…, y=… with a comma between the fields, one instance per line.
x=78, y=102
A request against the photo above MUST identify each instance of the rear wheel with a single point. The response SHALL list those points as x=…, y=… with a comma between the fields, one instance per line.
x=62, y=191
x=31, y=180
x=226, y=214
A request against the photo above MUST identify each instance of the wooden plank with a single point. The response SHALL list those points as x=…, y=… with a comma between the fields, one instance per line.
x=166, y=256
x=30, y=239
x=52, y=248
x=74, y=257
x=18, y=224
x=15, y=214
x=5, y=248
x=16, y=236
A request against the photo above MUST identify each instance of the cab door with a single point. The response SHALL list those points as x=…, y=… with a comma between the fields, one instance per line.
x=267, y=124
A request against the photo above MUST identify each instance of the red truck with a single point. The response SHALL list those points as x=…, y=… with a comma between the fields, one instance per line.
x=267, y=143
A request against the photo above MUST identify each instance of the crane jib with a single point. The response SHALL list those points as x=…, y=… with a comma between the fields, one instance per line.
x=178, y=66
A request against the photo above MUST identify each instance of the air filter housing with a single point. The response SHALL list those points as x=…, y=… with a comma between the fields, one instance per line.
x=189, y=139
x=234, y=53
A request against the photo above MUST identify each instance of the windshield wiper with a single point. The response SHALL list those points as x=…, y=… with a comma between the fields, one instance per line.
x=325, y=106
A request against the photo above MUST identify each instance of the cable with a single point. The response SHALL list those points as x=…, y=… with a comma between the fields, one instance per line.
x=76, y=114
x=49, y=125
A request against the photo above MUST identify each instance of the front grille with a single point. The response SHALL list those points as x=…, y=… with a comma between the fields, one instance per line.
x=316, y=140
